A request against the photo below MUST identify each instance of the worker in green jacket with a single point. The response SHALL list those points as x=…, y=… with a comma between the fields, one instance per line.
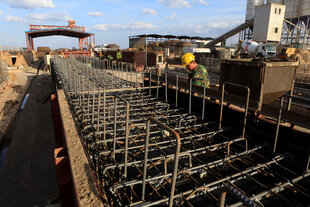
x=119, y=55
x=109, y=57
x=109, y=62
x=197, y=72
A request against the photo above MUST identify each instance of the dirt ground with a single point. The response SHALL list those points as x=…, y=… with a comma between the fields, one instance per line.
x=28, y=173
x=29, y=163
x=85, y=185
x=12, y=95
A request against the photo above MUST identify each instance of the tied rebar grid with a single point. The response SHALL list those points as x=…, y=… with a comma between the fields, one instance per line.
x=147, y=152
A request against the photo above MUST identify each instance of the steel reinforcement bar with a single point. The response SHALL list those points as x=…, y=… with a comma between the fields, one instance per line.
x=147, y=151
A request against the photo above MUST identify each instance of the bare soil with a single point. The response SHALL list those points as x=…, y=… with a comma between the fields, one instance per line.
x=12, y=95
x=85, y=185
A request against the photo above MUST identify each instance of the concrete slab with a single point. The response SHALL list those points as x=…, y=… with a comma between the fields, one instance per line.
x=28, y=174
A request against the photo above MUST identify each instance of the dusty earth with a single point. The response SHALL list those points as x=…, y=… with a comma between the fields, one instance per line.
x=85, y=184
x=12, y=96
x=28, y=173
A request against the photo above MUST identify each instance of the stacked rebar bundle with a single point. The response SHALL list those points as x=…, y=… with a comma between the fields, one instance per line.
x=148, y=152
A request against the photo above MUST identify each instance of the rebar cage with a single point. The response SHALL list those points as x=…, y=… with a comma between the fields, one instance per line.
x=148, y=152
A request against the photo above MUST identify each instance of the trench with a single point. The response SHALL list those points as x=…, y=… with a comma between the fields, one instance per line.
x=6, y=140
x=7, y=137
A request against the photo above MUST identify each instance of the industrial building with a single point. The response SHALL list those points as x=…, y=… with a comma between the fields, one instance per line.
x=296, y=25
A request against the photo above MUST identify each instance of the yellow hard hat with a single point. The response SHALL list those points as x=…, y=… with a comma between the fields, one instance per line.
x=187, y=58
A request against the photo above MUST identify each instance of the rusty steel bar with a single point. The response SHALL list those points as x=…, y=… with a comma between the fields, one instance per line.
x=104, y=114
x=157, y=89
x=239, y=195
x=190, y=96
x=222, y=199
x=150, y=83
x=278, y=125
x=222, y=102
x=195, y=169
x=166, y=87
x=217, y=184
x=115, y=120
x=246, y=104
x=176, y=90
x=176, y=136
x=181, y=154
x=126, y=134
x=230, y=142
x=203, y=102
x=168, y=159
x=278, y=188
x=145, y=157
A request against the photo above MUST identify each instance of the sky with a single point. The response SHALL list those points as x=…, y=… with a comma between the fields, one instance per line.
x=113, y=21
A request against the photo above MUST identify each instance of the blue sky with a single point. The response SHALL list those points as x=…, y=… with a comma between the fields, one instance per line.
x=113, y=21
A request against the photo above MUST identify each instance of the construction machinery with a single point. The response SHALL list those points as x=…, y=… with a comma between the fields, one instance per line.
x=287, y=53
x=254, y=49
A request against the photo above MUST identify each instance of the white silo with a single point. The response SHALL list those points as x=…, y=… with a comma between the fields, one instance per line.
x=292, y=9
x=276, y=1
x=305, y=8
x=250, y=8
